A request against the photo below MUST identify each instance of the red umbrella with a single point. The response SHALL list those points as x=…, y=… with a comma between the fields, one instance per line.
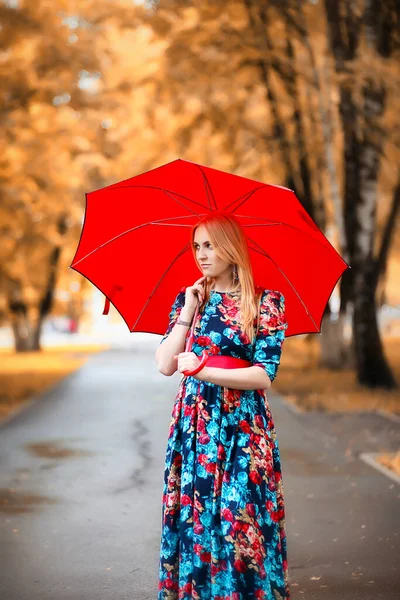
x=135, y=243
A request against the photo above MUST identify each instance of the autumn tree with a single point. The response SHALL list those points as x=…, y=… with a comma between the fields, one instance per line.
x=364, y=40
x=53, y=145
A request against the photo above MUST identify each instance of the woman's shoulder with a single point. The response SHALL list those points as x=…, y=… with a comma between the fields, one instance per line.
x=269, y=295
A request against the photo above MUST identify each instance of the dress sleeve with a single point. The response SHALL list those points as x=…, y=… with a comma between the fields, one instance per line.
x=175, y=312
x=271, y=333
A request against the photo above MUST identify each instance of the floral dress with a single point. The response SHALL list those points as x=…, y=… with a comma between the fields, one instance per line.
x=223, y=517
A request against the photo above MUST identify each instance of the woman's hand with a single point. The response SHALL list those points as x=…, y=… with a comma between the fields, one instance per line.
x=194, y=294
x=187, y=361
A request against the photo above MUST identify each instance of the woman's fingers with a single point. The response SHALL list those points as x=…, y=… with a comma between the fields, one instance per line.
x=200, y=279
x=199, y=291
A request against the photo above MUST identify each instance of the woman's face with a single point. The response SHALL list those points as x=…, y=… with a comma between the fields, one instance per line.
x=206, y=255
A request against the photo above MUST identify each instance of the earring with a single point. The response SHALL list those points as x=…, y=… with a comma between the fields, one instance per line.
x=235, y=275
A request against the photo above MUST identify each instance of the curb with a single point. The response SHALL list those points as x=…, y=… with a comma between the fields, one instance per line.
x=19, y=409
x=385, y=413
x=292, y=407
x=369, y=458
x=34, y=399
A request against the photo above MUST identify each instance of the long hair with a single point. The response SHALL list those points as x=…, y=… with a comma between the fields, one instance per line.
x=228, y=238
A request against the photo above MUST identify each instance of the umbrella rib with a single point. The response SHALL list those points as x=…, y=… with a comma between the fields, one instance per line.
x=184, y=249
x=128, y=231
x=243, y=198
x=208, y=189
x=272, y=223
x=167, y=192
x=262, y=251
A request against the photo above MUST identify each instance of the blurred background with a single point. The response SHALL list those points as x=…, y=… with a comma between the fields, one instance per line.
x=303, y=94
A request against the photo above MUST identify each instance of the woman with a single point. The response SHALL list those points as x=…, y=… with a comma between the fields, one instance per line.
x=223, y=519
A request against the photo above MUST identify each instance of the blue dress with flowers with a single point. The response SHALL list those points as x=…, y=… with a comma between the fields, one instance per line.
x=223, y=517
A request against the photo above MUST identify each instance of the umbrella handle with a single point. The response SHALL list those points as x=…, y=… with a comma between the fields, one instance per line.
x=204, y=359
x=189, y=341
x=204, y=356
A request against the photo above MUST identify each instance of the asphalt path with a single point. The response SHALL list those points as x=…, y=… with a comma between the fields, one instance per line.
x=82, y=468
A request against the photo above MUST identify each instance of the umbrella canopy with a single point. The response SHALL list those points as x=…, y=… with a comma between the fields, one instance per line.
x=135, y=243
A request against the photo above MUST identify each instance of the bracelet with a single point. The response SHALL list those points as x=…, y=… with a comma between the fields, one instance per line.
x=180, y=322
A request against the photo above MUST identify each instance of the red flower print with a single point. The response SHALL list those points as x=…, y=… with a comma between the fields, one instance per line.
x=245, y=527
x=221, y=452
x=198, y=528
x=259, y=421
x=214, y=349
x=201, y=426
x=211, y=467
x=185, y=500
x=274, y=516
x=277, y=476
x=203, y=340
x=206, y=557
x=255, y=477
x=272, y=321
x=227, y=514
x=171, y=585
x=237, y=525
x=240, y=566
x=270, y=473
x=188, y=588
x=204, y=438
x=198, y=548
x=227, y=477
x=202, y=459
x=214, y=570
x=269, y=505
x=251, y=509
x=245, y=427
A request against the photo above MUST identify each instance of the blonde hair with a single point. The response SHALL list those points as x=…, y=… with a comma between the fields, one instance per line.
x=228, y=238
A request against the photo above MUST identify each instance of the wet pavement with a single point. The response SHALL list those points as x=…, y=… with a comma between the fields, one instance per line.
x=81, y=472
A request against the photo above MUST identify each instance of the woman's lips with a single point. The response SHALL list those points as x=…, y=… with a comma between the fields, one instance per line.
x=205, y=266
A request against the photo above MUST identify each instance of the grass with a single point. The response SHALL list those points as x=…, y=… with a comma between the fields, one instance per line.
x=22, y=375
x=390, y=461
x=310, y=387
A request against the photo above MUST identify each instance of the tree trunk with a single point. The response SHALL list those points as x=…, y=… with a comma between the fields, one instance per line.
x=372, y=367
x=26, y=337
x=27, y=331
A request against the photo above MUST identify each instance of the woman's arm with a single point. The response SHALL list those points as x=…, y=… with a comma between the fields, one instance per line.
x=173, y=344
x=249, y=378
